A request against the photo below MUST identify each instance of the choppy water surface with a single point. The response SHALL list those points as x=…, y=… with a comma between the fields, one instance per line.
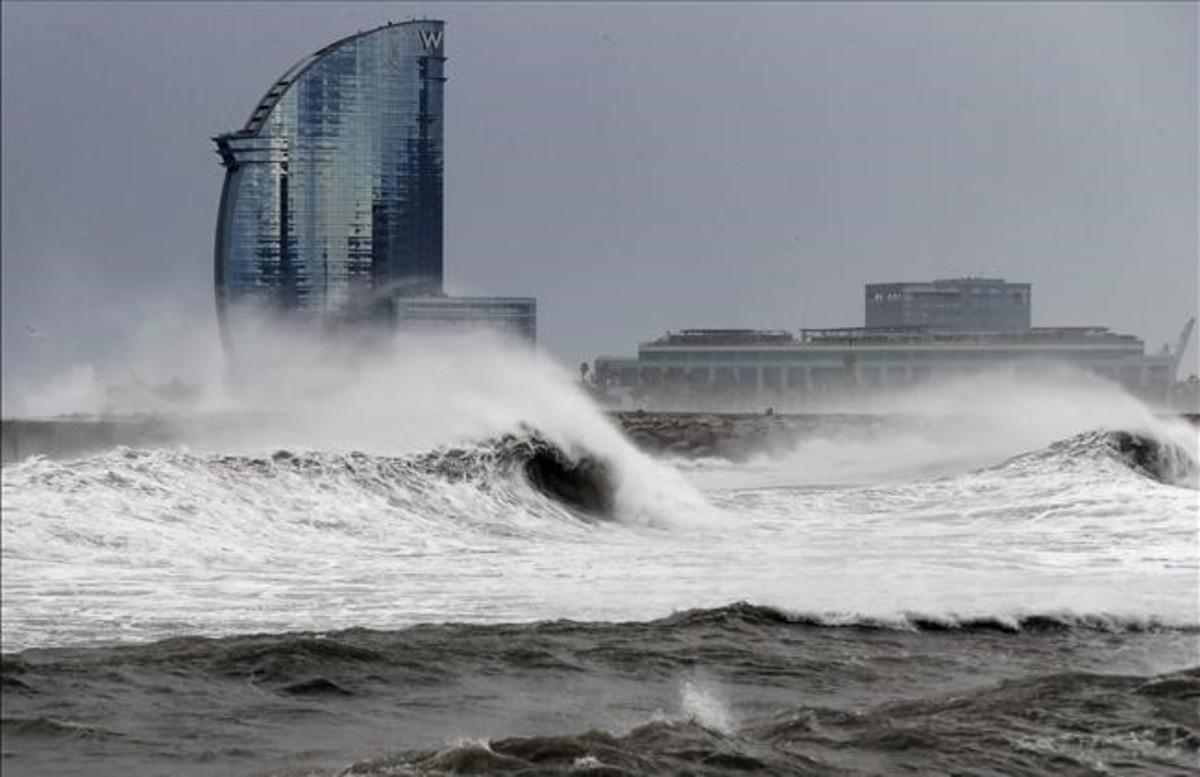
x=912, y=604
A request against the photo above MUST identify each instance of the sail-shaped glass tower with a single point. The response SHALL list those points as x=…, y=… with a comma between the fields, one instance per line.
x=332, y=201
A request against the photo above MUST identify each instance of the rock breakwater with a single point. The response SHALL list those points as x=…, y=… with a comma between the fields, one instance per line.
x=736, y=436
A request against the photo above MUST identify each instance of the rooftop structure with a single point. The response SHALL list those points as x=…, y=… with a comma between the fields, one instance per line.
x=726, y=336
x=959, y=304
x=891, y=335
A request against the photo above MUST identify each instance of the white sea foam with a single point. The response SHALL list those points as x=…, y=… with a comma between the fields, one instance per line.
x=136, y=545
x=951, y=428
x=147, y=544
x=701, y=701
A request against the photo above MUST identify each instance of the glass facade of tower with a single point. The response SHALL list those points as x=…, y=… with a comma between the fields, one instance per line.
x=332, y=201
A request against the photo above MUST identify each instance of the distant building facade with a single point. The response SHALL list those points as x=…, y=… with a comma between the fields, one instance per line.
x=515, y=317
x=332, y=202
x=957, y=304
x=750, y=369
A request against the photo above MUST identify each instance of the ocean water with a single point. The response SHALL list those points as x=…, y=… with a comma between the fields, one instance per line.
x=1006, y=587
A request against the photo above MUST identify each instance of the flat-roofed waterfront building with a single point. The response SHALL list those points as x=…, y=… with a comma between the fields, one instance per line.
x=959, y=304
x=752, y=369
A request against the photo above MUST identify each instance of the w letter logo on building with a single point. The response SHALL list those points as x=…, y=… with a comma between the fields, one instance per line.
x=431, y=39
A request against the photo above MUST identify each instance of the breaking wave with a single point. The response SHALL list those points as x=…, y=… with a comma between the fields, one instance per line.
x=136, y=544
x=747, y=614
x=582, y=481
x=1168, y=461
x=524, y=470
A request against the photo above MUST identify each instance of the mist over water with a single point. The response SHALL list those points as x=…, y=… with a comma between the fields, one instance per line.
x=953, y=427
x=303, y=501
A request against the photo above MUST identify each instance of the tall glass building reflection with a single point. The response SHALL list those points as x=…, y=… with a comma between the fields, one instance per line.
x=332, y=201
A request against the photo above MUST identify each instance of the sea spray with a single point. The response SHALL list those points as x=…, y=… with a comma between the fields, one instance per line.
x=701, y=702
x=952, y=428
x=310, y=513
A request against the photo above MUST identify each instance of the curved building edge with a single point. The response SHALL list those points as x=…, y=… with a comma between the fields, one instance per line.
x=252, y=128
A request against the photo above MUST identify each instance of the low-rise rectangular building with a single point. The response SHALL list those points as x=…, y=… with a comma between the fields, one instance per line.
x=513, y=316
x=743, y=369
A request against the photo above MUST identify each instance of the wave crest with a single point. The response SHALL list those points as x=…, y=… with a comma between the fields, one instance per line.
x=741, y=614
x=1172, y=462
x=584, y=481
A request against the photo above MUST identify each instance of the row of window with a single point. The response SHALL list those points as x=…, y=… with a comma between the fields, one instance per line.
x=801, y=377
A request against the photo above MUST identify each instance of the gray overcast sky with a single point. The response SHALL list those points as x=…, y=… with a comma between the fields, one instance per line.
x=636, y=167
